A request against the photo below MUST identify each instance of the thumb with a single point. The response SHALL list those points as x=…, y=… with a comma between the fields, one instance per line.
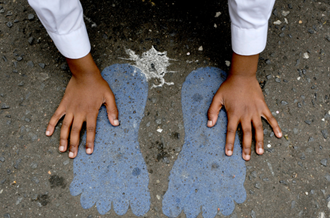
x=214, y=110
x=112, y=110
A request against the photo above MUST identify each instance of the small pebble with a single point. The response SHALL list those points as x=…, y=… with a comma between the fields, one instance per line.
x=4, y=106
x=327, y=38
x=9, y=13
x=305, y=55
x=308, y=122
x=34, y=197
x=285, y=13
x=325, y=133
x=324, y=162
x=19, y=200
x=9, y=24
x=284, y=102
x=30, y=40
x=17, y=163
x=278, y=22
x=217, y=14
x=34, y=165
x=253, y=214
x=7, y=215
x=327, y=177
x=42, y=65
x=30, y=16
x=310, y=31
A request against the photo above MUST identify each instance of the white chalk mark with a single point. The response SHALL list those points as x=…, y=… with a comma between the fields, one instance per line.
x=90, y=20
x=153, y=64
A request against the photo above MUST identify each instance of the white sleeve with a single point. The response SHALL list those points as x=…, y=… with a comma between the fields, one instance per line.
x=249, y=25
x=64, y=22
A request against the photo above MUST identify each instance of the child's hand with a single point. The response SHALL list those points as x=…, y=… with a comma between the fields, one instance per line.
x=84, y=95
x=244, y=102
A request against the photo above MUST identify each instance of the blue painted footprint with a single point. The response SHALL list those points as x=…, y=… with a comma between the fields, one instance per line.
x=203, y=178
x=116, y=173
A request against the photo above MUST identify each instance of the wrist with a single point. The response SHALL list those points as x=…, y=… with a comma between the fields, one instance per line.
x=244, y=66
x=84, y=67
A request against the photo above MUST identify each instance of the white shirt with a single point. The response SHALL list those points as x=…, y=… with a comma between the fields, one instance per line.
x=64, y=22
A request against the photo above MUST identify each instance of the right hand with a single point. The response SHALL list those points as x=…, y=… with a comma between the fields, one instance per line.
x=244, y=102
x=84, y=95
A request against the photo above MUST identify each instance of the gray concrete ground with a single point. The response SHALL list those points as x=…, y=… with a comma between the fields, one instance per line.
x=290, y=180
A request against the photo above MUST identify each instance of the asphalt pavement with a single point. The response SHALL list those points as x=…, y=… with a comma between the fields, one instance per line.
x=290, y=180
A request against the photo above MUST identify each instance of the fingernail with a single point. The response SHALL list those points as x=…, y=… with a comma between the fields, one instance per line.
x=260, y=150
x=247, y=157
x=47, y=133
x=71, y=154
x=62, y=148
x=229, y=153
x=209, y=123
x=279, y=134
x=116, y=122
x=89, y=150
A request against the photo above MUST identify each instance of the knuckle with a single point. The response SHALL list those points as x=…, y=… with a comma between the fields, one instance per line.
x=66, y=124
x=258, y=127
x=260, y=143
x=89, y=144
x=75, y=129
x=73, y=146
x=112, y=110
x=57, y=114
x=247, y=131
x=247, y=148
x=231, y=130
x=91, y=129
x=51, y=124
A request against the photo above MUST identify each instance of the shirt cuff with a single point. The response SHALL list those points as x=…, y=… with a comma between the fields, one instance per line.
x=248, y=41
x=73, y=45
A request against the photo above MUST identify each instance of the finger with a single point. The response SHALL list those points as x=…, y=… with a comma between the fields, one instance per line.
x=74, y=137
x=247, y=139
x=272, y=121
x=214, y=110
x=59, y=113
x=90, y=129
x=259, y=135
x=65, y=131
x=231, y=133
x=112, y=111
